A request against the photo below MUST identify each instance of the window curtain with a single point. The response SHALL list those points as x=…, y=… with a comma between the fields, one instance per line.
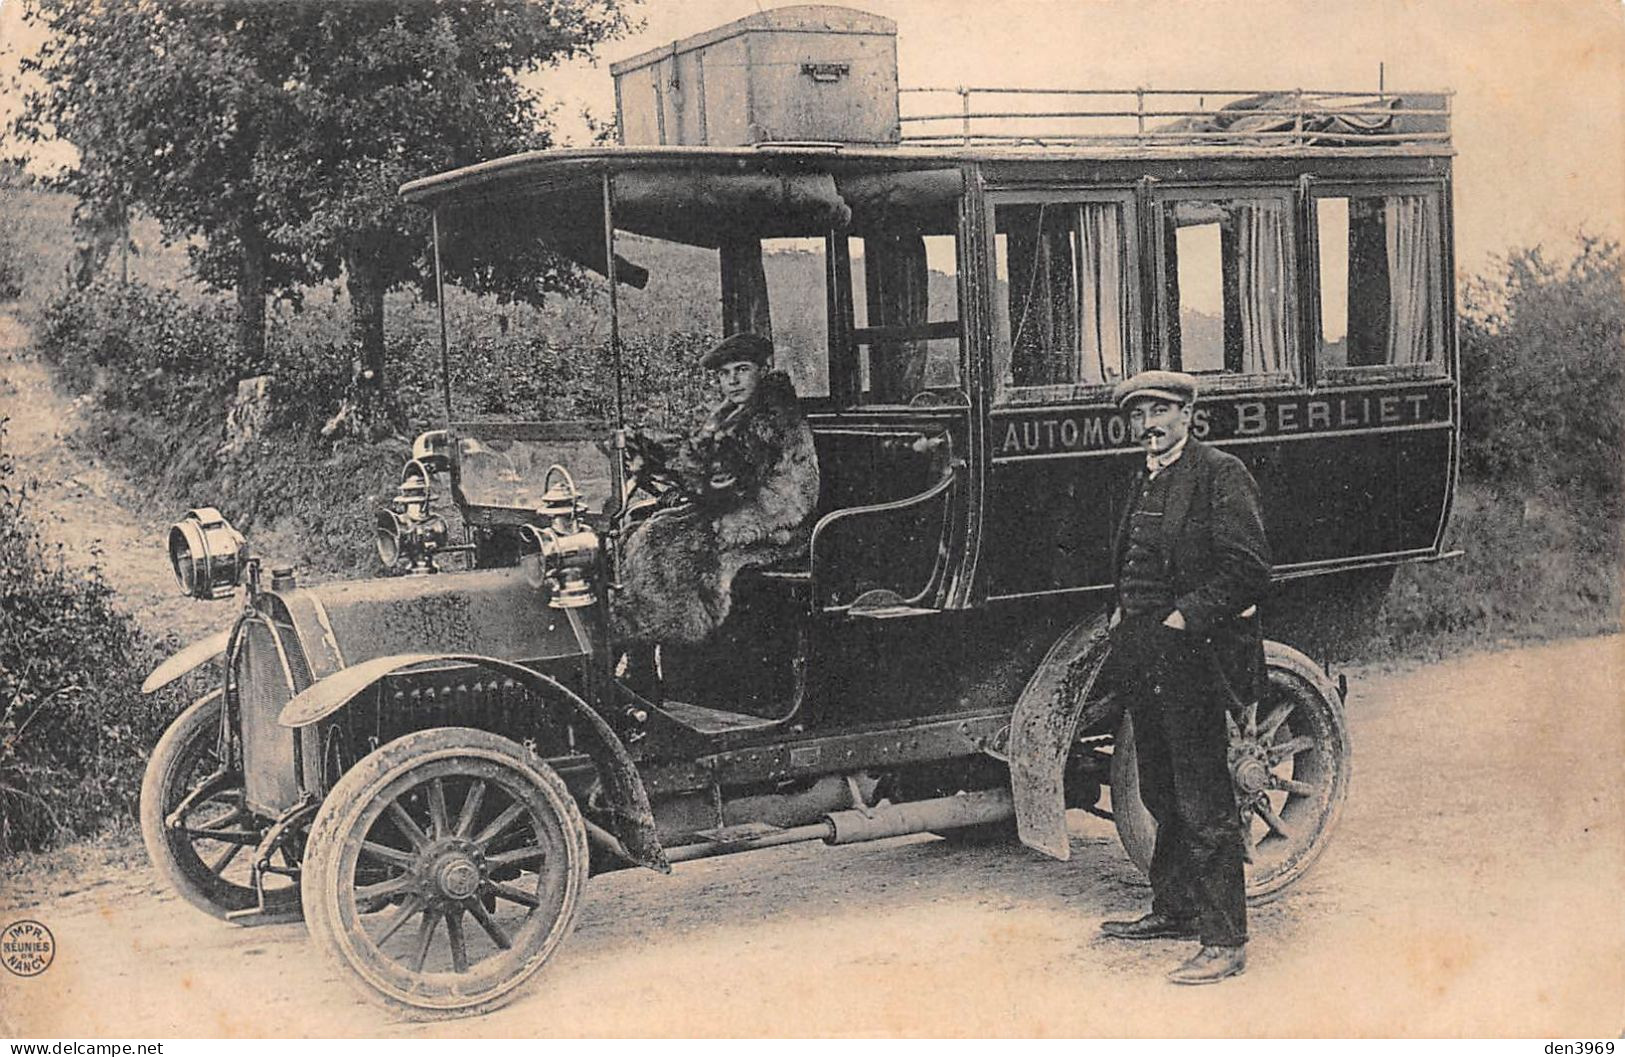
x=1261, y=256
x=1102, y=293
x=1410, y=223
x=1068, y=294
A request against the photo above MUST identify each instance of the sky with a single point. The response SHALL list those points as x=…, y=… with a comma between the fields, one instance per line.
x=1540, y=84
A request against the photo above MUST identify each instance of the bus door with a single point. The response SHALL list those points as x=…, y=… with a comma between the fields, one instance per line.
x=1067, y=327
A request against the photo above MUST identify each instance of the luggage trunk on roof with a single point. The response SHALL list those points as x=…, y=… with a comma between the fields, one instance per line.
x=807, y=73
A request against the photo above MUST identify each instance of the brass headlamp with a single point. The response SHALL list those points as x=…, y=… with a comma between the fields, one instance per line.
x=207, y=554
x=566, y=551
x=407, y=530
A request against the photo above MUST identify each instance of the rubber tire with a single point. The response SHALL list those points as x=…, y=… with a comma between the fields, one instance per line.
x=171, y=768
x=332, y=834
x=1137, y=830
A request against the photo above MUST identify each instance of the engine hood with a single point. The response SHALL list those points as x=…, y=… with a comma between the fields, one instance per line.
x=493, y=612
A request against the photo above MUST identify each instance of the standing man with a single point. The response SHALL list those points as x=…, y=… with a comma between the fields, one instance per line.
x=1191, y=563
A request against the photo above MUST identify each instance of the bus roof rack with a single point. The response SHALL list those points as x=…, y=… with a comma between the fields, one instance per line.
x=1176, y=118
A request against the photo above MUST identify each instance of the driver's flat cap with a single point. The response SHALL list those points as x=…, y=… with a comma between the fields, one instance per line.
x=738, y=348
x=1156, y=385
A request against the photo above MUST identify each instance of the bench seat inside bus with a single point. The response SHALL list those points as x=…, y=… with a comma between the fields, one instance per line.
x=863, y=466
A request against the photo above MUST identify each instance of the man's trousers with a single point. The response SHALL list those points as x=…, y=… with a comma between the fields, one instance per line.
x=1178, y=701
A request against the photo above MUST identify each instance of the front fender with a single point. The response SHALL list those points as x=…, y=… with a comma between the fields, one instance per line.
x=1046, y=719
x=1059, y=701
x=196, y=655
x=628, y=798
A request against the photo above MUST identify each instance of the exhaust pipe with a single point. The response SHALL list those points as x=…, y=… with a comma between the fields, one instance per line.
x=877, y=823
x=920, y=816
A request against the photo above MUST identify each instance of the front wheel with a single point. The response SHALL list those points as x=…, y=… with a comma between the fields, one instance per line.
x=443, y=870
x=1289, y=764
x=196, y=823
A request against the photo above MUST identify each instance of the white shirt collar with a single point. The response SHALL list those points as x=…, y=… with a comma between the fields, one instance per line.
x=1157, y=463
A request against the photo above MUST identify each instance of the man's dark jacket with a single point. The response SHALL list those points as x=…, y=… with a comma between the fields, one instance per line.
x=1214, y=554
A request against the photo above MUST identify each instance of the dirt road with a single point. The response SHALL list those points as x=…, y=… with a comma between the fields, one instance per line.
x=1473, y=888
x=76, y=501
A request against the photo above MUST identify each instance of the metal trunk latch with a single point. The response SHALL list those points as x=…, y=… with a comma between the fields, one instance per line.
x=826, y=72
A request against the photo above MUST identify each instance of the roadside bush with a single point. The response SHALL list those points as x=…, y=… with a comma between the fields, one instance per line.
x=75, y=728
x=1543, y=382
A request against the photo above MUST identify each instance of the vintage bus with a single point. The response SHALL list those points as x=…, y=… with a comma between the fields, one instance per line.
x=431, y=764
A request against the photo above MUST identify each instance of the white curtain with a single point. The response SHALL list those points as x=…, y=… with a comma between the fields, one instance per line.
x=1102, y=293
x=1261, y=256
x=1409, y=222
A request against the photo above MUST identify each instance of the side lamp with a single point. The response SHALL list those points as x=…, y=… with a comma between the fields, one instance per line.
x=566, y=551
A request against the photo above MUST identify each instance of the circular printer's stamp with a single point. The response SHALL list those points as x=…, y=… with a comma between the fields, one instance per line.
x=27, y=948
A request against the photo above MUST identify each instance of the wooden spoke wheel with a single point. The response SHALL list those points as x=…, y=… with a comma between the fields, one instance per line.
x=444, y=869
x=205, y=851
x=1290, y=763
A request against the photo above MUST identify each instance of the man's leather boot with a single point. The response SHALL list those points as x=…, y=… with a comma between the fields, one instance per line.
x=1210, y=965
x=1151, y=927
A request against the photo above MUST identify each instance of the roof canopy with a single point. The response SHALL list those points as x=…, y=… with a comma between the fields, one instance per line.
x=698, y=197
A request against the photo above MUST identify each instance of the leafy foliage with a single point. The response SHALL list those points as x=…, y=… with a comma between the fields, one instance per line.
x=159, y=391
x=74, y=727
x=1543, y=378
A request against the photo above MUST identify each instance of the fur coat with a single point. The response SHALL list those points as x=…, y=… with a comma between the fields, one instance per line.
x=752, y=474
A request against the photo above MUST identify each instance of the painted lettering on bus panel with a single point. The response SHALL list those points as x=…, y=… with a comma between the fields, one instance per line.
x=1040, y=431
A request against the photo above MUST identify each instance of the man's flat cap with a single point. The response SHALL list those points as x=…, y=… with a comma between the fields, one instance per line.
x=736, y=348
x=1158, y=385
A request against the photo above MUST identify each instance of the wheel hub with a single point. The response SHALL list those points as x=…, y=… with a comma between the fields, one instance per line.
x=457, y=877
x=1251, y=776
x=1249, y=765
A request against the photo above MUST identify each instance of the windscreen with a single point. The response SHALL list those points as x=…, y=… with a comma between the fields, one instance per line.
x=505, y=465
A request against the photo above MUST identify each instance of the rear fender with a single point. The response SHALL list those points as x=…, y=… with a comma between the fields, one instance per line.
x=1059, y=700
x=629, y=800
x=194, y=656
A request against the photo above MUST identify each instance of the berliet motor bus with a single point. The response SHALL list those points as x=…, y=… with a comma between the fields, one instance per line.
x=428, y=765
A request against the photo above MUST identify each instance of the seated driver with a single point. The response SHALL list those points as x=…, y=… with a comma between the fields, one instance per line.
x=752, y=475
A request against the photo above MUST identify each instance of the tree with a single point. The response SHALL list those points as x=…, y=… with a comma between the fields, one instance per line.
x=171, y=107
x=385, y=92
x=280, y=132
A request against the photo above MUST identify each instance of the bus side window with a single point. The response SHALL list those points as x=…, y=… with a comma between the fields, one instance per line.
x=1227, y=286
x=905, y=306
x=1064, y=296
x=1379, y=285
x=793, y=271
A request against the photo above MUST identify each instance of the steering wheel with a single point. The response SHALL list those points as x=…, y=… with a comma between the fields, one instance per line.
x=646, y=472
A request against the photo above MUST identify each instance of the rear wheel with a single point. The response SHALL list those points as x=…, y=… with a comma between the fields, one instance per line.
x=444, y=869
x=1289, y=763
x=205, y=850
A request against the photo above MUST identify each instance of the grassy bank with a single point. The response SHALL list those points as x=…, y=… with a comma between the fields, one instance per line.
x=75, y=729
x=1530, y=571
